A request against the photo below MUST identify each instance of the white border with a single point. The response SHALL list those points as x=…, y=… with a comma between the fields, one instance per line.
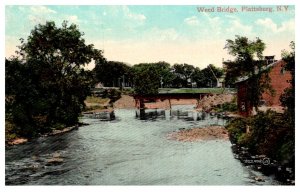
x=140, y=188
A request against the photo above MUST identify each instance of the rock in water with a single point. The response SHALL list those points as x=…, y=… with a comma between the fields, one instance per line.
x=55, y=161
x=260, y=179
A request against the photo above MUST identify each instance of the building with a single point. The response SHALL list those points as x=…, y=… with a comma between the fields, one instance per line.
x=279, y=81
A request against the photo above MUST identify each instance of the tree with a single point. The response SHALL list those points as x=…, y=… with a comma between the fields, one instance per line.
x=165, y=73
x=111, y=73
x=248, y=63
x=287, y=150
x=183, y=73
x=54, y=85
x=288, y=97
x=207, y=76
x=146, y=79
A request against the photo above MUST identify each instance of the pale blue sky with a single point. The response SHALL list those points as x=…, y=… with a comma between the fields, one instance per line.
x=174, y=34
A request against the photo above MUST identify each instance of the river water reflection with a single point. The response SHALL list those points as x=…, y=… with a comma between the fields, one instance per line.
x=129, y=151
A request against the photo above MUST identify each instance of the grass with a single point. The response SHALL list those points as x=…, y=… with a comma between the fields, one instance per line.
x=98, y=100
x=197, y=90
x=93, y=108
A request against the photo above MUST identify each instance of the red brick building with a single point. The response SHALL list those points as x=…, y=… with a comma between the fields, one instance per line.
x=279, y=81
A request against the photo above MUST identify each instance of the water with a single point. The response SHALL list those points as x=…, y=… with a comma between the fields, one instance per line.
x=129, y=151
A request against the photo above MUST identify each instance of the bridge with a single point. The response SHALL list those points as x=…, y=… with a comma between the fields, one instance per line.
x=171, y=95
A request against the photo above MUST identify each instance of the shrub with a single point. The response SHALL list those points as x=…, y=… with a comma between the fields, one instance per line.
x=236, y=128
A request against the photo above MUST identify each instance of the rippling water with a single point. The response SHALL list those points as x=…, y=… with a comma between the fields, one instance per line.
x=128, y=151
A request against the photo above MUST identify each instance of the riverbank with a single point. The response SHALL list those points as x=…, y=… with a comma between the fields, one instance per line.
x=266, y=143
x=198, y=134
x=264, y=164
x=20, y=140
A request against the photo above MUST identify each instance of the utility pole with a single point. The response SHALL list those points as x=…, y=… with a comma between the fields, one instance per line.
x=214, y=75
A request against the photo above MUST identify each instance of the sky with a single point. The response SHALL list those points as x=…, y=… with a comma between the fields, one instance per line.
x=174, y=33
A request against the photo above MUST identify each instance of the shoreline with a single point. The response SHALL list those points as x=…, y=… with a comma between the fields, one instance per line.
x=21, y=140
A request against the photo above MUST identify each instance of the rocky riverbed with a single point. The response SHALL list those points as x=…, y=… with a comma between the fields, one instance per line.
x=203, y=133
x=264, y=164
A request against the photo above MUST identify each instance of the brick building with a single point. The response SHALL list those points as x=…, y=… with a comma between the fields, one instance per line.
x=279, y=81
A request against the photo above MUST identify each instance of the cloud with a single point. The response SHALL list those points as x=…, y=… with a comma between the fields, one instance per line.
x=133, y=16
x=203, y=26
x=269, y=24
x=158, y=34
x=237, y=27
x=72, y=18
x=41, y=10
x=213, y=21
x=193, y=21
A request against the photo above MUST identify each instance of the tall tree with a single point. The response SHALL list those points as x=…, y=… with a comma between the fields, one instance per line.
x=249, y=63
x=165, y=73
x=288, y=97
x=183, y=73
x=51, y=64
x=208, y=76
x=112, y=73
x=287, y=151
x=146, y=79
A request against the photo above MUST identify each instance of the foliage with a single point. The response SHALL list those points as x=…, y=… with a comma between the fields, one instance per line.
x=207, y=77
x=99, y=100
x=112, y=73
x=236, y=128
x=227, y=106
x=183, y=73
x=248, y=63
x=165, y=72
x=268, y=134
x=288, y=97
x=146, y=79
x=287, y=150
x=128, y=91
x=47, y=82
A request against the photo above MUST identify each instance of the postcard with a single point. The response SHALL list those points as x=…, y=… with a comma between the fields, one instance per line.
x=149, y=95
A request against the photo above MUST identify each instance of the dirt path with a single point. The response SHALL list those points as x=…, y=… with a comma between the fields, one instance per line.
x=125, y=102
x=196, y=134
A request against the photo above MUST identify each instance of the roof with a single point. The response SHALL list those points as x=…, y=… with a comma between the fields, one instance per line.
x=264, y=68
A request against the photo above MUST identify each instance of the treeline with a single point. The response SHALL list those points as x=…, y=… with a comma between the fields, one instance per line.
x=148, y=77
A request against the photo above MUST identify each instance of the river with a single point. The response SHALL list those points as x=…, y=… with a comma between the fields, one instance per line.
x=129, y=151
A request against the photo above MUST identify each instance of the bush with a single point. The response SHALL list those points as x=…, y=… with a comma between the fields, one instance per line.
x=228, y=106
x=236, y=128
x=269, y=134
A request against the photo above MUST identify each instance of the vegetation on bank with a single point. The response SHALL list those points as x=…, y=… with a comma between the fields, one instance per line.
x=98, y=100
x=46, y=84
x=266, y=133
x=226, y=107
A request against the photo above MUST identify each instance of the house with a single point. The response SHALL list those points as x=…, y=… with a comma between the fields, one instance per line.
x=279, y=81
